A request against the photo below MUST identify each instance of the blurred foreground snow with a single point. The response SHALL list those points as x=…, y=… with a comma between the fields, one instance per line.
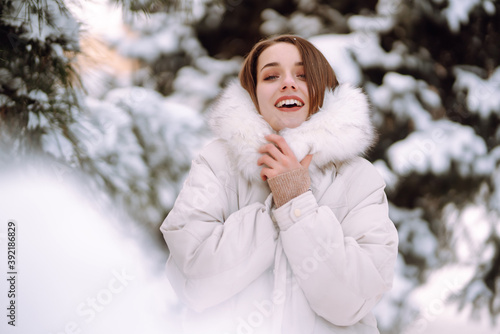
x=77, y=273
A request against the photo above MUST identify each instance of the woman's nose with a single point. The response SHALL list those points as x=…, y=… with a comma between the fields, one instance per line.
x=289, y=82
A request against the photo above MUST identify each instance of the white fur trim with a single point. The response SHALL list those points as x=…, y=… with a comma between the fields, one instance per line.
x=339, y=131
x=235, y=119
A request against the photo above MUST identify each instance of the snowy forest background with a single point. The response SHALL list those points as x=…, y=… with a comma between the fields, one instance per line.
x=102, y=108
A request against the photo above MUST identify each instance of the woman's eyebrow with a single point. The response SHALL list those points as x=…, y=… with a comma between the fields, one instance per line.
x=273, y=64
x=269, y=65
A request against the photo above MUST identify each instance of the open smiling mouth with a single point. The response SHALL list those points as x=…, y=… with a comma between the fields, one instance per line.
x=289, y=104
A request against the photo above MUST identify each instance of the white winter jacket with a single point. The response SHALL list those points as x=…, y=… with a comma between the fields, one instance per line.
x=317, y=264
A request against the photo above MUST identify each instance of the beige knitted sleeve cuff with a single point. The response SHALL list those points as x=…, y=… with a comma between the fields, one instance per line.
x=289, y=185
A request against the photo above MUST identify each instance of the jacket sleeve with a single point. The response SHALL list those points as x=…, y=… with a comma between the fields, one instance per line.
x=343, y=267
x=214, y=253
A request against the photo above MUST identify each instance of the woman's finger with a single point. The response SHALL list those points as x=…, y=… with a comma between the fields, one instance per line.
x=263, y=174
x=281, y=143
x=266, y=173
x=306, y=161
x=267, y=160
x=272, y=150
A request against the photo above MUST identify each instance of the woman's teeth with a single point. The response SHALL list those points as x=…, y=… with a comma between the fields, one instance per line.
x=289, y=103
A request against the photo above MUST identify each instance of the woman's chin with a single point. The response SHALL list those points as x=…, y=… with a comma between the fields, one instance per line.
x=287, y=125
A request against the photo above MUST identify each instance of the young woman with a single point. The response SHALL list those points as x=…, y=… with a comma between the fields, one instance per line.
x=281, y=226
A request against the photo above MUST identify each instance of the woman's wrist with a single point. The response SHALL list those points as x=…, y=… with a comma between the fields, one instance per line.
x=289, y=185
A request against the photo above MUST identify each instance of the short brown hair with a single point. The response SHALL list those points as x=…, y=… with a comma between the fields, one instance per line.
x=319, y=73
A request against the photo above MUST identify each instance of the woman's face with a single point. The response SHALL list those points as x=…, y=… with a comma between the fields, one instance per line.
x=281, y=86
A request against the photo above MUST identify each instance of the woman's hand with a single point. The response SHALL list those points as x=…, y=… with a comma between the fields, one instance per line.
x=278, y=158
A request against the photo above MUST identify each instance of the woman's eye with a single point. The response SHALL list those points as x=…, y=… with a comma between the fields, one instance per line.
x=302, y=76
x=271, y=77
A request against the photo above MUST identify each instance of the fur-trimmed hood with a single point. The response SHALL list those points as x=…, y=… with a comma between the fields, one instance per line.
x=338, y=132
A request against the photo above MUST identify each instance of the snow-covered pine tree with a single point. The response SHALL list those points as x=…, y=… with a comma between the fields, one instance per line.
x=145, y=126
x=39, y=40
x=123, y=136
